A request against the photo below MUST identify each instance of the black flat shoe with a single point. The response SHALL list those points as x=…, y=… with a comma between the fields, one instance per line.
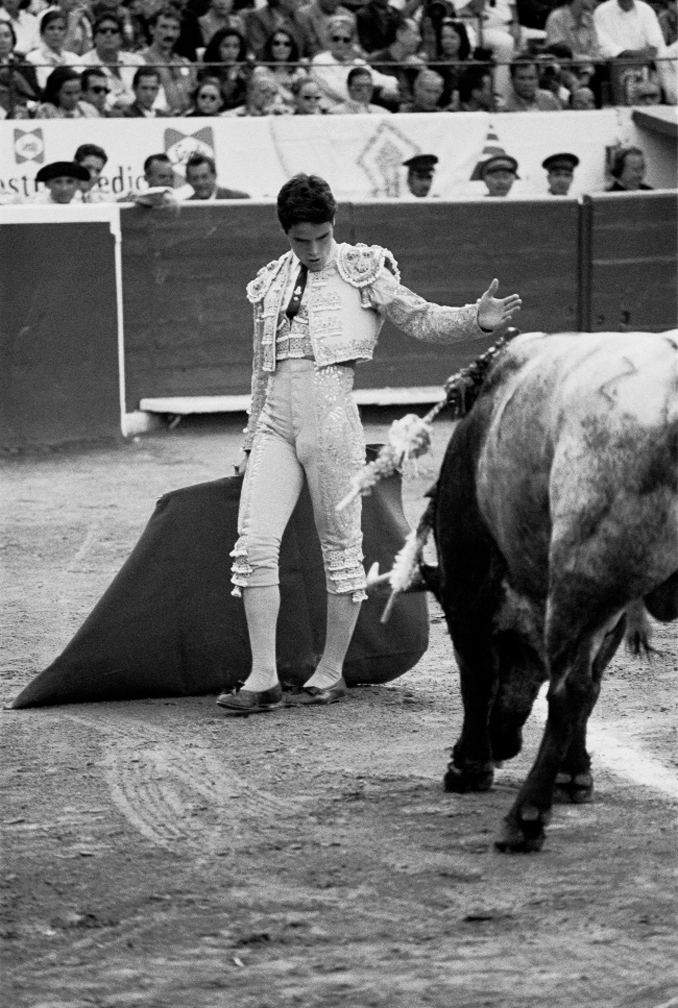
x=244, y=701
x=309, y=695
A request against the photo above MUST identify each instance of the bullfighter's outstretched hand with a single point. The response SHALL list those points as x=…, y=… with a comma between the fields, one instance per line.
x=494, y=312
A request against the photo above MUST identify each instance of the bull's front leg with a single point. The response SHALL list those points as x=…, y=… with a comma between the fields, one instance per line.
x=471, y=767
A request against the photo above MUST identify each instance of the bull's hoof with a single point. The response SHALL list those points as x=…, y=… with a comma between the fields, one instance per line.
x=524, y=835
x=461, y=781
x=577, y=788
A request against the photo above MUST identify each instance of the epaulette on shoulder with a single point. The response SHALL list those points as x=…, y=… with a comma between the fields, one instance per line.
x=359, y=264
x=257, y=288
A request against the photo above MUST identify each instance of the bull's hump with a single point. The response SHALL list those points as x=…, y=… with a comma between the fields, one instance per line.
x=567, y=377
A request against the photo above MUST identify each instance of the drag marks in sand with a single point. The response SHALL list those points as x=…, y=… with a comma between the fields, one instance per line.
x=174, y=792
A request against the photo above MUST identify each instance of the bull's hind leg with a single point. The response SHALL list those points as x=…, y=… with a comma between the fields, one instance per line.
x=574, y=782
x=571, y=697
x=471, y=767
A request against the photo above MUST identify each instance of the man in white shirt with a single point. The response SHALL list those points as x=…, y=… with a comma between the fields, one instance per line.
x=628, y=29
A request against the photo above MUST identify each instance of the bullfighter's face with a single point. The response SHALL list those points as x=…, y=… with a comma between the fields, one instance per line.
x=312, y=243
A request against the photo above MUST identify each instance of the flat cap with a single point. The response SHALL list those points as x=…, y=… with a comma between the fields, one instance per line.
x=499, y=162
x=62, y=169
x=421, y=164
x=560, y=161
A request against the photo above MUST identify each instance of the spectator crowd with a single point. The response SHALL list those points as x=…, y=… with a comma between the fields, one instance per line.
x=204, y=58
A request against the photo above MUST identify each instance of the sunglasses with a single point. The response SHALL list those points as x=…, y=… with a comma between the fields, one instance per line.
x=342, y=38
x=108, y=31
x=96, y=89
x=282, y=41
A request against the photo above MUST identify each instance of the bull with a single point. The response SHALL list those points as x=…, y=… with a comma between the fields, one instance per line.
x=555, y=517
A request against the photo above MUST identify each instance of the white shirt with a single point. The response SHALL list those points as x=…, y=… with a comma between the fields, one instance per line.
x=26, y=28
x=43, y=55
x=619, y=30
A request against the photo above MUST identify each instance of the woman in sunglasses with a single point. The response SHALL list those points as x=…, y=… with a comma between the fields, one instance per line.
x=330, y=69
x=281, y=56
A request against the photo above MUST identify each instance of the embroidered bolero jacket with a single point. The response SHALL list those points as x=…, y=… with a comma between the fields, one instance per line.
x=348, y=301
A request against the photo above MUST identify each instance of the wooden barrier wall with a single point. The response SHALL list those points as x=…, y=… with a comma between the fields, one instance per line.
x=59, y=375
x=188, y=325
x=608, y=262
x=629, y=261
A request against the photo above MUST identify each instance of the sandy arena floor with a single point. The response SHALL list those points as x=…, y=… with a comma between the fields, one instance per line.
x=156, y=854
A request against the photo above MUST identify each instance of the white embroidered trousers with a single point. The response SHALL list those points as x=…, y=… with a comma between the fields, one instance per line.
x=309, y=429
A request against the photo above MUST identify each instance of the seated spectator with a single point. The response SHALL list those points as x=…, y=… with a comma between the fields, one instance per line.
x=314, y=20
x=12, y=104
x=526, y=95
x=51, y=52
x=376, y=21
x=499, y=173
x=62, y=97
x=628, y=170
x=109, y=57
x=263, y=97
x=95, y=91
x=219, y=15
x=26, y=26
x=146, y=88
x=667, y=17
x=499, y=31
x=399, y=60
x=533, y=14
x=177, y=74
x=420, y=171
x=308, y=98
x=62, y=182
x=201, y=175
x=572, y=25
x=281, y=54
x=555, y=77
x=360, y=90
x=261, y=22
x=78, y=25
x=476, y=90
x=646, y=93
x=628, y=29
x=430, y=24
x=160, y=183
x=330, y=69
x=225, y=60
x=19, y=76
x=206, y=100
x=582, y=99
x=427, y=93
x=560, y=172
x=454, y=48
x=94, y=159
x=100, y=8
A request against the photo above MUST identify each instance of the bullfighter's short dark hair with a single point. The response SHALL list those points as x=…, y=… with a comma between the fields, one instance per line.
x=305, y=199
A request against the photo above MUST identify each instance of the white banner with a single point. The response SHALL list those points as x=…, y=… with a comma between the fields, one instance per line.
x=361, y=156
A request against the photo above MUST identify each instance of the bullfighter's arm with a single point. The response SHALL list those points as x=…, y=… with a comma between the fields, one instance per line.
x=259, y=382
x=436, y=323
